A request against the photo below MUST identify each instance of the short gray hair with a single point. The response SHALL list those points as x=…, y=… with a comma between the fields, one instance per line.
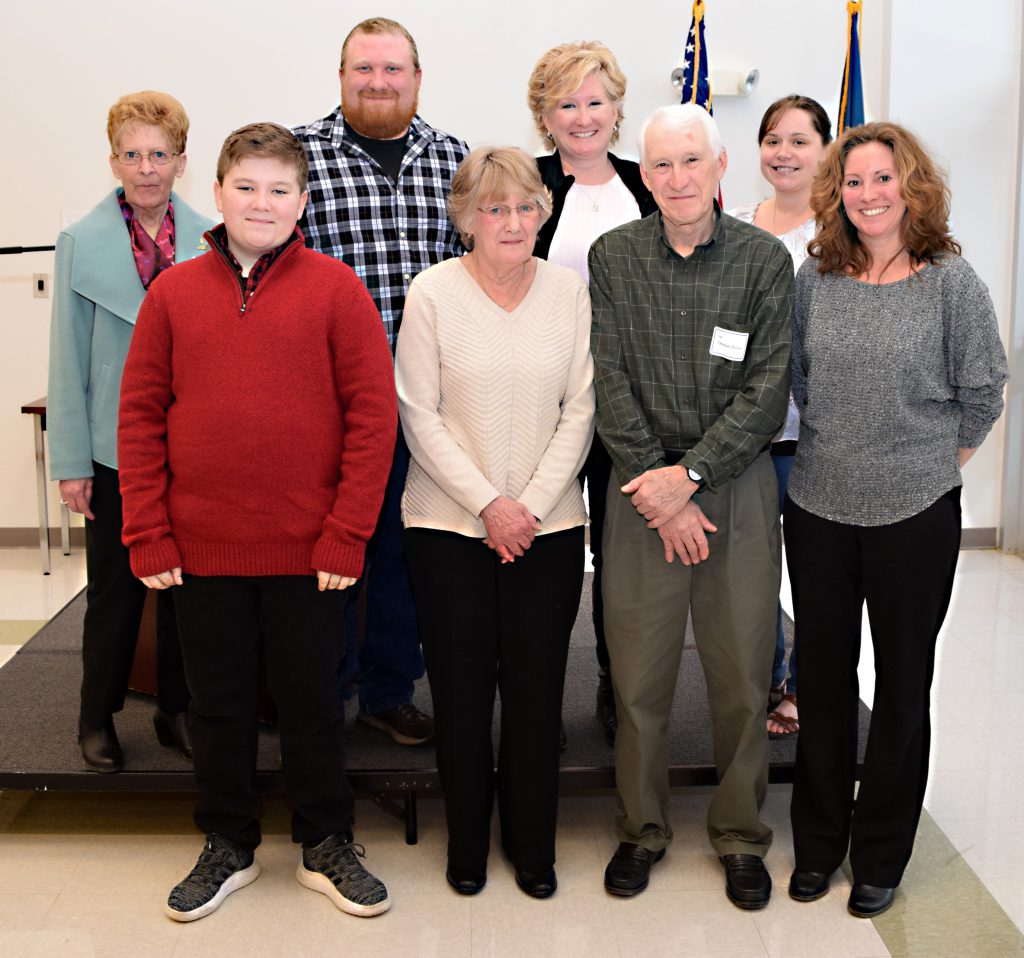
x=678, y=117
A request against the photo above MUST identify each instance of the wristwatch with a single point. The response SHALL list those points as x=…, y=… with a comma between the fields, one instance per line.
x=697, y=478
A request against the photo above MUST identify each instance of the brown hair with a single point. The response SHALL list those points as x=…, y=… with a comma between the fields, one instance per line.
x=822, y=124
x=265, y=140
x=376, y=26
x=562, y=71
x=149, y=108
x=492, y=173
x=925, y=226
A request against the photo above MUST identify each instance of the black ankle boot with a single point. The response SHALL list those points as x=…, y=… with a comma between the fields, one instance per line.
x=172, y=731
x=100, y=747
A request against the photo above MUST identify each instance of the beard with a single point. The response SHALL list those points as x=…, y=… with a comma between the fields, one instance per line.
x=379, y=118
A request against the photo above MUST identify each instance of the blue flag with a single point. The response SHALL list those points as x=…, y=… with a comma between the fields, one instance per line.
x=851, y=96
x=696, y=86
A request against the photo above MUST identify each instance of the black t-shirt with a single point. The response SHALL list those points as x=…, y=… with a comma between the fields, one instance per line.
x=387, y=153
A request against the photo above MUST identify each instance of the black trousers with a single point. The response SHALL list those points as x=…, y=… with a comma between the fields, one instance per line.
x=904, y=572
x=114, y=601
x=597, y=471
x=223, y=620
x=485, y=627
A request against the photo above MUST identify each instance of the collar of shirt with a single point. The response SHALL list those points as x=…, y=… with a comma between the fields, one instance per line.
x=717, y=234
x=152, y=254
x=218, y=238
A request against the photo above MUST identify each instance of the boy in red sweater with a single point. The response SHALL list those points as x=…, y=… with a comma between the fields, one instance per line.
x=257, y=420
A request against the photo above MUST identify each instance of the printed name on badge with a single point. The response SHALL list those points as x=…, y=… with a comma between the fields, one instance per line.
x=729, y=344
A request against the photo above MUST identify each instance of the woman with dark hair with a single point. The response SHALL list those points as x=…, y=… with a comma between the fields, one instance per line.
x=575, y=95
x=898, y=372
x=793, y=135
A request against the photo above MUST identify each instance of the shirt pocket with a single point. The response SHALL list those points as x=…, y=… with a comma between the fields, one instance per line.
x=724, y=373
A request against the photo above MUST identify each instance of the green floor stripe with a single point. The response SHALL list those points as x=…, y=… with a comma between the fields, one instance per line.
x=19, y=631
x=943, y=909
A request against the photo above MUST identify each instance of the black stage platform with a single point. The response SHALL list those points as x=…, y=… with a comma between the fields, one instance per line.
x=39, y=691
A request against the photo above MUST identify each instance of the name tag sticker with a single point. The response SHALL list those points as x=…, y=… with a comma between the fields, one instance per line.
x=729, y=344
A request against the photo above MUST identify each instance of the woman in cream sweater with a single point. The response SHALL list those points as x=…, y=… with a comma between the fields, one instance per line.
x=496, y=398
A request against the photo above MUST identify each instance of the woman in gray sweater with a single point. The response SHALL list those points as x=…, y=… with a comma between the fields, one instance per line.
x=898, y=372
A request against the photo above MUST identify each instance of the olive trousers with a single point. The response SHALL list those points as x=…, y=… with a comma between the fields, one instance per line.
x=732, y=598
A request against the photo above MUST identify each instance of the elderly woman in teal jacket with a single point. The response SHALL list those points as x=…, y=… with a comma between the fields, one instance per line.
x=104, y=264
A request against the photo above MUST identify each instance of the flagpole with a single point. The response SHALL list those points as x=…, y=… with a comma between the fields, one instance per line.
x=698, y=17
x=853, y=10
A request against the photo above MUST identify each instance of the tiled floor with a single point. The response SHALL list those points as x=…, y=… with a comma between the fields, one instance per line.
x=87, y=874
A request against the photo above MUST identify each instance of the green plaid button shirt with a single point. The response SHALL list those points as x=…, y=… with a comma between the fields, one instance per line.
x=661, y=394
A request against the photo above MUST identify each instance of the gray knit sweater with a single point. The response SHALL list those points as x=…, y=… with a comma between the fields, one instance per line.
x=891, y=381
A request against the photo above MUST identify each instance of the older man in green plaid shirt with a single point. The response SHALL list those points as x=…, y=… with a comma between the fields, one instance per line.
x=691, y=340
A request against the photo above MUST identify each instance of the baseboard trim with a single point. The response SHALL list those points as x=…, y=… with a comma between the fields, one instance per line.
x=12, y=538
x=978, y=539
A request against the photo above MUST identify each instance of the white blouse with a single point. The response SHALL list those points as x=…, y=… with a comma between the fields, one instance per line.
x=589, y=212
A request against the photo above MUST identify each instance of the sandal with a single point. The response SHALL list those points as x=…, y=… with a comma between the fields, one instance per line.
x=775, y=693
x=790, y=723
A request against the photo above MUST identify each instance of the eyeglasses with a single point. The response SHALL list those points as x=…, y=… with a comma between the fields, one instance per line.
x=135, y=157
x=525, y=211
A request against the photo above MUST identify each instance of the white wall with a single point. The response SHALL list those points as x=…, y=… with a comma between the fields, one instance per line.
x=233, y=62
x=955, y=79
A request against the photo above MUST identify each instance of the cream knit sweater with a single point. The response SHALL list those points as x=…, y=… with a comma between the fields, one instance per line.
x=494, y=402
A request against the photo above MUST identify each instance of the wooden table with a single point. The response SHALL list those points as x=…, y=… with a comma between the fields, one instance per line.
x=37, y=409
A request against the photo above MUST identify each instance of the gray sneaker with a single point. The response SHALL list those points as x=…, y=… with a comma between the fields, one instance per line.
x=223, y=867
x=333, y=869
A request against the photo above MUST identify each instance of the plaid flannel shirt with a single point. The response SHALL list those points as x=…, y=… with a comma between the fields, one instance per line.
x=663, y=388
x=387, y=232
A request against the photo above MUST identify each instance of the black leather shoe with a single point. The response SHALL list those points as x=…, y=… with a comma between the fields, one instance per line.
x=172, y=731
x=630, y=868
x=100, y=747
x=467, y=883
x=537, y=884
x=866, y=901
x=807, y=886
x=747, y=882
x=606, y=706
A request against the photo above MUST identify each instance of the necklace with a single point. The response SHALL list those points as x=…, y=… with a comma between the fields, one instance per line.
x=594, y=195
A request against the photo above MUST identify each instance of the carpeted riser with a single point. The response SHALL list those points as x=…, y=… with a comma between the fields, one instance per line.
x=39, y=691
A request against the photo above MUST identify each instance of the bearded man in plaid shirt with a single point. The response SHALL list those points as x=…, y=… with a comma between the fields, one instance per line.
x=379, y=177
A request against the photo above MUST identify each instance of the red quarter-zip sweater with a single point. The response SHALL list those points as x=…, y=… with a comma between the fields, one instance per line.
x=255, y=438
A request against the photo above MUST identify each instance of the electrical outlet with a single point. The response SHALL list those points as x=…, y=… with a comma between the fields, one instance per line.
x=41, y=285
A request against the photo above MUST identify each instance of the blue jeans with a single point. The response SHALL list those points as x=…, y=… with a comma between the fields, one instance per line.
x=783, y=467
x=389, y=659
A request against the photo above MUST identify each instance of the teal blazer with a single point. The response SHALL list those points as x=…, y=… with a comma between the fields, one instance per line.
x=96, y=298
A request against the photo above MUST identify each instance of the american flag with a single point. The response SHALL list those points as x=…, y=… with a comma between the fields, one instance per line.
x=696, y=85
